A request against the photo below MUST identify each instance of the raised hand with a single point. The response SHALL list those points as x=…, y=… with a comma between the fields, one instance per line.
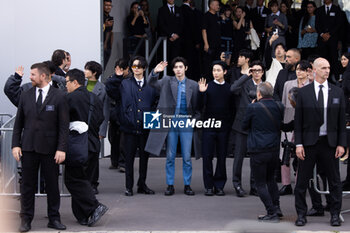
x=202, y=85
x=19, y=71
x=119, y=71
x=160, y=67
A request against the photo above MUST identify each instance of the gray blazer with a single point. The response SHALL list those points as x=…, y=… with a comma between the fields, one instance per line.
x=167, y=87
x=100, y=91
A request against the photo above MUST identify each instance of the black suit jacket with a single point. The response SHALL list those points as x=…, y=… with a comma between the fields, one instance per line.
x=259, y=20
x=169, y=23
x=283, y=76
x=45, y=131
x=190, y=31
x=79, y=106
x=307, y=121
x=328, y=23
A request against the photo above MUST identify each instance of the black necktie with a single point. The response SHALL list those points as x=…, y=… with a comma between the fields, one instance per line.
x=39, y=101
x=327, y=10
x=139, y=83
x=172, y=9
x=321, y=102
x=261, y=11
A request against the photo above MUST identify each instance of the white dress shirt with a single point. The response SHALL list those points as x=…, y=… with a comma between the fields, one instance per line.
x=44, y=93
x=171, y=6
x=142, y=81
x=323, y=128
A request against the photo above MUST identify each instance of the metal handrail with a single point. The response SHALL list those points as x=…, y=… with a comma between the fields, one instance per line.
x=149, y=57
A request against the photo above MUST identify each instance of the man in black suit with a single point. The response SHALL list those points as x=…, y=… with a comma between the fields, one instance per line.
x=86, y=209
x=40, y=138
x=59, y=58
x=288, y=73
x=191, y=39
x=260, y=14
x=320, y=136
x=170, y=25
x=328, y=25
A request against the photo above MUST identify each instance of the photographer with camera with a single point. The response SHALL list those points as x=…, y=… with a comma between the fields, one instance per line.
x=245, y=89
x=263, y=122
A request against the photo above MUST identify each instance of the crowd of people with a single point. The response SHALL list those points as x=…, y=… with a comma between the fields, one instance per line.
x=253, y=94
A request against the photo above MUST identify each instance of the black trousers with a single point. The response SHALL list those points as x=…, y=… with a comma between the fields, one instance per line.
x=49, y=168
x=117, y=152
x=212, y=140
x=239, y=153
x=329, y=51
x=323, y=154
x=263, y=167
x=208, y=57
x=316, y=198
x=84, y=201
x=93, y=168
x=132, y=142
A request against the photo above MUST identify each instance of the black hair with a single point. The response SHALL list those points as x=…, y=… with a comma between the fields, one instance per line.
x=311, y=58
x=273, y=3
x=58, y=56
x=240, y=7
x=307, y=17
x=220, y=63
x=51, y=66
x=257, y=63
x=76, y=74
x=247, y=53
x=107, y=0
x=94, y=67
x=346, y=54
x=42, y=68
x=132, y=5
x=210, y=1
x=293, y=93
x=178, y=59
x=304, y=65
x=281, y=44
x=122, y=63
x=142, y=61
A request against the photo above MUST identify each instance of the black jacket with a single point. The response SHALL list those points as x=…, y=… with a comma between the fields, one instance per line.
x=169, y=23
x=307, y=121
x=346, y=88
x=45, y=131
x=263, y=132
x=283, y=76
x=328, y=23
x=113, y=91
x=79, y=105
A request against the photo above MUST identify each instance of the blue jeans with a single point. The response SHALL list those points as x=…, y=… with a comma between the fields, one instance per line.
x=186, y=145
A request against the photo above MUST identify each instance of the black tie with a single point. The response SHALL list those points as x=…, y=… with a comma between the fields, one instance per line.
x=39, y=101
x=321, y=102
x=261, y=11
x=139, y=83
x=327, y=10
x=172, y=9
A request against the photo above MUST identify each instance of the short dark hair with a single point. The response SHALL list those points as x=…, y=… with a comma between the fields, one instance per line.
x=273, y=3
x=76, y=74
x=346, y=54
x=294, y=93
x=142, y=61
x=210, y=1
x=311, y=58
x=257, y=63
x=247, y=53
x=58, y=56
x=304, y=65
x=295, y=50
x=94, y=67
x=178, y=59
x=42, y=68
x=281, y=44
x=220, y=63
x=107, y=0
x=51, y=66
x=122, y=63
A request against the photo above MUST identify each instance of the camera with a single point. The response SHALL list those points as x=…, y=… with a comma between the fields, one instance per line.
x=288, y=152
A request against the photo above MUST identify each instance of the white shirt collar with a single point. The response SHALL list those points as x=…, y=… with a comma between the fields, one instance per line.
x=44, y=93
x=142, y=81
x=169, y=6
x=330, y=6
x=277, y=13
x=217, y=82
x=317, y=84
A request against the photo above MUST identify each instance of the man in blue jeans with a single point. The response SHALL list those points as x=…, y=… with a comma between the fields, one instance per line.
x=178, y=98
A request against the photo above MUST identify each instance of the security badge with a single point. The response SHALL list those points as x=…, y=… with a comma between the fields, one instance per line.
x=332, y=14
x=336, y=101
x=50, y=108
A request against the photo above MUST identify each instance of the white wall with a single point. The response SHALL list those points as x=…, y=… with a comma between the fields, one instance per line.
x=32, y=29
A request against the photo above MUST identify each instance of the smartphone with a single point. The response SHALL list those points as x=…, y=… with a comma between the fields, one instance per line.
x=276, y=31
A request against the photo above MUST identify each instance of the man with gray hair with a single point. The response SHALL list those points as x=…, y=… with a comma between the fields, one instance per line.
x=262, y=121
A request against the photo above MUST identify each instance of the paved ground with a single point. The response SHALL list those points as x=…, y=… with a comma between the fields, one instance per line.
x=176, y=213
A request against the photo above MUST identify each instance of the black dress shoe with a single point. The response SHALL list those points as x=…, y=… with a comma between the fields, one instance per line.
x=25, y=226
x=335, y=220
x=301, y=221
x=273, y=218
x=56, y=224
x=314, y=212
x=129, y=192
x=145, y=190
x=253, y=192
x=83, y=222
x=279, y=212
x=219, y=192
x=286, y=190
x=97, y=214
x=188, y=191
x=240, y=191
x=209, y=192
x=169, y=190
